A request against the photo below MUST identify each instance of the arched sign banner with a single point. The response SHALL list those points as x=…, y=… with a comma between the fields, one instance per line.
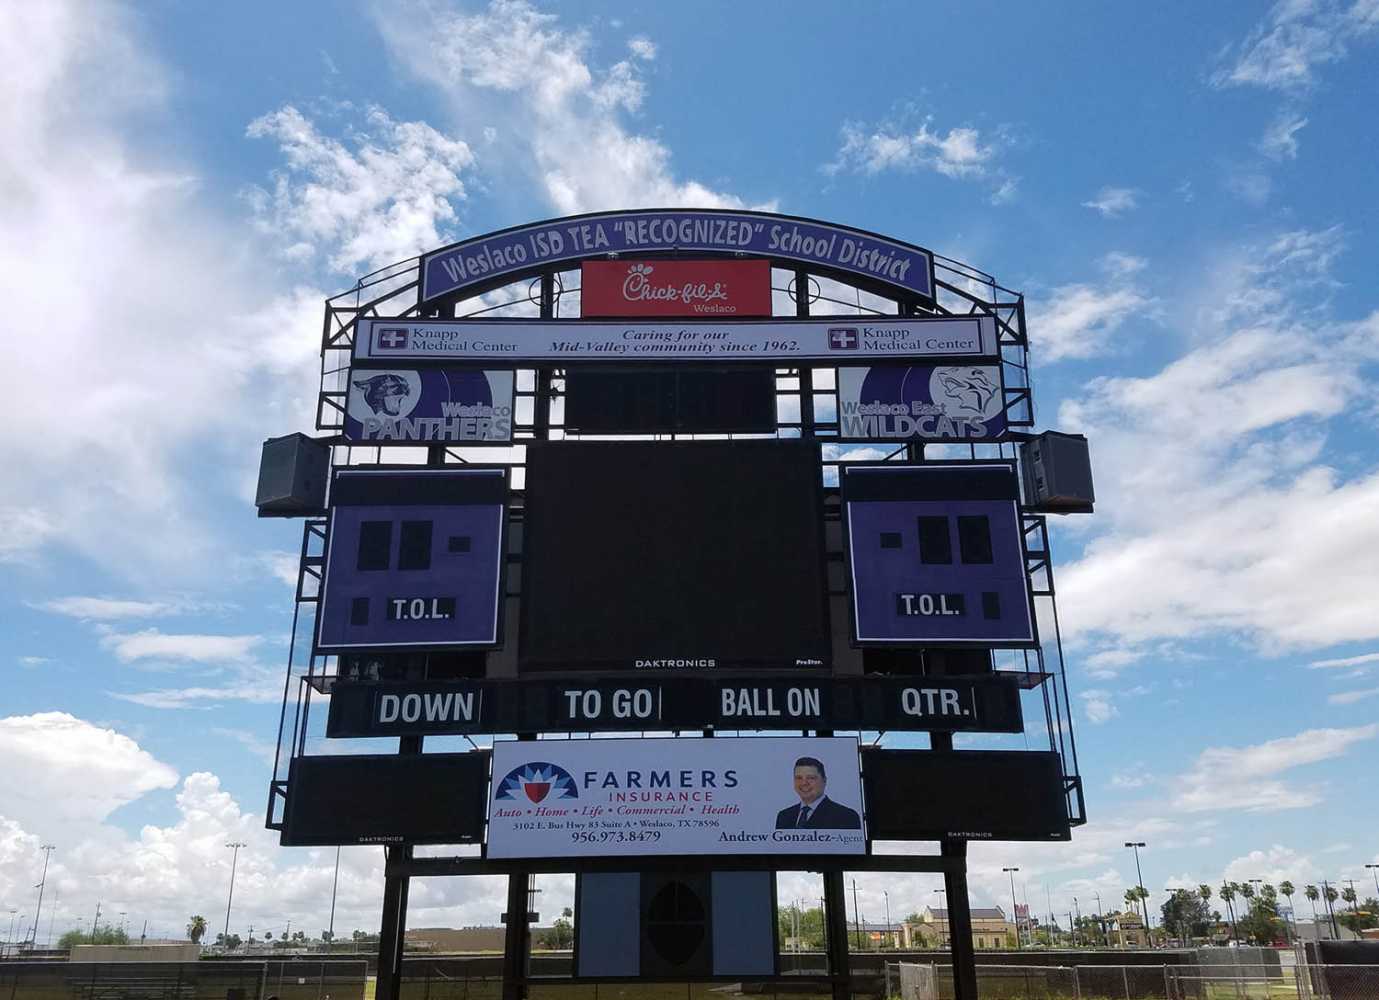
x=512, y=251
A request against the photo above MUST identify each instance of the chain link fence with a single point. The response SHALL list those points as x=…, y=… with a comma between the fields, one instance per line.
x=921, y=981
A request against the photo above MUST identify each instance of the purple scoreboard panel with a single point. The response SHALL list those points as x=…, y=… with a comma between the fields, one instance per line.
x=414, y=559
x=936, y=555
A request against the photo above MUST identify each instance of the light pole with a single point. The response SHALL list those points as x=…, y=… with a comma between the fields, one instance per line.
x=333, y=886
x=47, y=850
x=1144, y=896
x=887, y=897
x=9, y=937
x=234, y=862
x=1374, y=870
x=1078, y=910
x=1014, y=910
x=1100, y=925
x=943, y=926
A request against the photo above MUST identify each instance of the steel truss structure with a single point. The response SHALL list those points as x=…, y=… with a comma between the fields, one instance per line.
x=807, y=406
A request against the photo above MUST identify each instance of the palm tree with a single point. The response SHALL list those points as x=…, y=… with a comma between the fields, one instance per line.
x=1228, y=897
x=1204, y=891
x=196, y=928
x=1349, y=896
x=1287, y=888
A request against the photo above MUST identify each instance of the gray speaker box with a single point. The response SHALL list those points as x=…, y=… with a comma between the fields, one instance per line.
x=1057, y=469
x=293, y=472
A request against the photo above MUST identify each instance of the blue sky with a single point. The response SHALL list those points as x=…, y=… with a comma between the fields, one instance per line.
x=1184, y=193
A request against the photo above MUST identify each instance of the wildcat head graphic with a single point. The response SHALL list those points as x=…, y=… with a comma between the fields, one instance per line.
x=969, y=389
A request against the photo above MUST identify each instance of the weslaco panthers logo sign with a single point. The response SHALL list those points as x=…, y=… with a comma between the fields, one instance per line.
x=536, y=782
x=384, y=393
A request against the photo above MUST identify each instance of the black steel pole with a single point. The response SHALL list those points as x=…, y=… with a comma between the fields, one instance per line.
x=836, y=918
x=389, y=935
x=960, y=922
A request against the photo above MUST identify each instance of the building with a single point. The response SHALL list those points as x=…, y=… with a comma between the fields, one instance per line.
x=1126, y=929
x=878, y=936
x=990, y=929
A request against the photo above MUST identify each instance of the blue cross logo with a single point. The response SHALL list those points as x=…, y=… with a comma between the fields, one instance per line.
x=843, y=338
x=392, y=338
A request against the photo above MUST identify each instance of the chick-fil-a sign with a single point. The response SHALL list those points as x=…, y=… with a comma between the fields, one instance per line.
x=676, y=288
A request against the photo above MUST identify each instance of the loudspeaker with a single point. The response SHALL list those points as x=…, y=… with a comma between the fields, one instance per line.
x=293, y=472
x=1058, y=474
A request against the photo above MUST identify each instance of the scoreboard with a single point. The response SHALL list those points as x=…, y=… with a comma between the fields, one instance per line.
x=414, y=559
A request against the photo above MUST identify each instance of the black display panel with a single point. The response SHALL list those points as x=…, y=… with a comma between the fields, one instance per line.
x=704, y=400
x=386, y=799
x=973, y=794
x=655, y=555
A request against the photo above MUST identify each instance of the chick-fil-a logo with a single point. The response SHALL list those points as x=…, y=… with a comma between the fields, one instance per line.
x=676, y=288
x=638, y=287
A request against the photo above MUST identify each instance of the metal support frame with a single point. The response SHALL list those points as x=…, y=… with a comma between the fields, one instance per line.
x=394, y=291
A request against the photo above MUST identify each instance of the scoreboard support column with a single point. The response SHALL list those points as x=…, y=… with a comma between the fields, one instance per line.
x=394, y=925
x=836, y=914
x=964, y=953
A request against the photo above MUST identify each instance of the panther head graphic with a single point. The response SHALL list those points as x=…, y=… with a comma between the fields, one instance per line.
x=384, y=393
x=970, y=388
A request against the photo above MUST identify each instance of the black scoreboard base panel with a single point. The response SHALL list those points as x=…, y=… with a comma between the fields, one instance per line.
x=910, y=795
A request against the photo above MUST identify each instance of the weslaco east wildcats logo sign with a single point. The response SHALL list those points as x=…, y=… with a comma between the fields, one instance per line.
x=929, y=402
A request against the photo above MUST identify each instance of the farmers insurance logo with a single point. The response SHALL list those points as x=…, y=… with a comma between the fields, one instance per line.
x=536, y=782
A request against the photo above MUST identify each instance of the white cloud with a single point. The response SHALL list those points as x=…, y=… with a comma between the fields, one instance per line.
x=1098, y=705
x=1120, y=264
x=1234, y=433
x=282, y=566
x=107, y=608
x=150, y=643
x=1079, y=320
x=1284, y=52
x=1246, y=778
x=1250, y=186
x=247, y=681
x=1279, y=141
x=959, y=152
x=1351, y=697
x=382, y=195
x=123, y=240
x=34, y=661
x=61, y=770
x=1275, y=865
x=1345, y=661
x=514, y=63
x=1113, y=202
x=642, y=47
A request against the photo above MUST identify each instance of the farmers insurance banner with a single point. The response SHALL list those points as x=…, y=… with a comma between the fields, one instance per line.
x=730, y=795
x=429, y=404
x=675, y=288
x=925, y=402
x=773, y=340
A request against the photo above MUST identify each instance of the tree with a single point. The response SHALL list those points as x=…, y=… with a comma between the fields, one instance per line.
x=196, y=928
x=1228, y=897
x=1185, y=915
x=105, y=934
x=1361, y=918
x=807, y=924
x=1262, y=925
x=1287, y=888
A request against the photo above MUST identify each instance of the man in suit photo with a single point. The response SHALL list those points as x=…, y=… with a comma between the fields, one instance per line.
x=815, y=810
